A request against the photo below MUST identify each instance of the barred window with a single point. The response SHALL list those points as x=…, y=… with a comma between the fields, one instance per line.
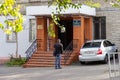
x=11, y=38
x=32, y=30
x=99, y=27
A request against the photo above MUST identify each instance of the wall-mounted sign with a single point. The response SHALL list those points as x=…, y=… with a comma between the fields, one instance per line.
x=40, y=27
x=76, y=23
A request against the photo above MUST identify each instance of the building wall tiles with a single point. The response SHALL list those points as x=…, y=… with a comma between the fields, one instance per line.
x=112, y=25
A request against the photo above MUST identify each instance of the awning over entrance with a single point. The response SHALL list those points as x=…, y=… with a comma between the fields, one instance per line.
x=45, y=10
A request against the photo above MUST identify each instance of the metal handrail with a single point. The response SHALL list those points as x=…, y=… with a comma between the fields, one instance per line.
x=68, y=51
x=31, y=49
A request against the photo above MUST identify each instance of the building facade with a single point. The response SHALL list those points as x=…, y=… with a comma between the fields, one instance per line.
x=108, y=21
x=109, y=17
x=112, y=22
x=105, y=25
x=8, y=41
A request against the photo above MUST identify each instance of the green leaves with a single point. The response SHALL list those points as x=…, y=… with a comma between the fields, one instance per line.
x=11, y=9
x=8, y=31
x=51, y=31
x=1, y=26
x=92, y=4
x=116, y=4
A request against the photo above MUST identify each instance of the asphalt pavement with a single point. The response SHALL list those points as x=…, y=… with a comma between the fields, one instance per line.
x=76, y=71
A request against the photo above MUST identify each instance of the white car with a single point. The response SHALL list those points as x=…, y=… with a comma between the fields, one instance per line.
x=96, y=50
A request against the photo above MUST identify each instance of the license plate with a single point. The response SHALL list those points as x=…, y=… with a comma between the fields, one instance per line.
x=89, y=53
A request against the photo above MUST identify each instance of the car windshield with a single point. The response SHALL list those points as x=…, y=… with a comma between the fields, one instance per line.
x=91, y=44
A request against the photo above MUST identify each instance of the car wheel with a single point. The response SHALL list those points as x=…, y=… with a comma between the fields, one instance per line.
x=82, y=62
x=116, y=55
x=106, y=59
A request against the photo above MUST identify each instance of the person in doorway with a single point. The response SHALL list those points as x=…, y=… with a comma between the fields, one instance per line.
x=58, y=50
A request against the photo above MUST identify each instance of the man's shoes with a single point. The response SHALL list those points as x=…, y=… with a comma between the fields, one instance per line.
x=58, y=68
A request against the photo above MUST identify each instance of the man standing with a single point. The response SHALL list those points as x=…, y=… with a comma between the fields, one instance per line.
x=58, y=50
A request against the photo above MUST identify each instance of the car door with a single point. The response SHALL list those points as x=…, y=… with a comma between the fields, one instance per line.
x=106, y=47
x=110, y=47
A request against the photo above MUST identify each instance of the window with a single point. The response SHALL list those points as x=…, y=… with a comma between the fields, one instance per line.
x=92, y=44
x=11, y=37
x=107, y=43
x=99, y=27
x=32, y=30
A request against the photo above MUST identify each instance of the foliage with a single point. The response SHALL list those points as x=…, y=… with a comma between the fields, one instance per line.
x=115, y=3
x=92, y=4
x=10, y=10
x=14, y=23
x=16, y=62
x=51, y=30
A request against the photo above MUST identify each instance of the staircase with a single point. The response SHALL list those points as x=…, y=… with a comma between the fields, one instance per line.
x=46, y=59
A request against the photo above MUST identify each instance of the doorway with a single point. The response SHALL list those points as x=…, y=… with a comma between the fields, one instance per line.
x=67, y=36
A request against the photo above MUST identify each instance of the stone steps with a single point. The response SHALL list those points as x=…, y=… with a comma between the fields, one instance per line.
x=45, y=59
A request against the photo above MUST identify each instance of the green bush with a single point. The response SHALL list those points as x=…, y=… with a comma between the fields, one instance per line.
x=16, y=62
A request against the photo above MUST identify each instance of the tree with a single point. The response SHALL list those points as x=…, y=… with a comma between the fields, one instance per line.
x=14, y=19
x=114, y=3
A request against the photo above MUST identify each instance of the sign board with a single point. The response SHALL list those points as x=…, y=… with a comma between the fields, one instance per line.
x=40, y=27
x=76, y=23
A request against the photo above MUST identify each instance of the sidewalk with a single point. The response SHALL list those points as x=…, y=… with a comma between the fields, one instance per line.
x=73, y=72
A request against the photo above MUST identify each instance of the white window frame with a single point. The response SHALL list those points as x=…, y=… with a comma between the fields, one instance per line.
x=32, y=30
x=11, y=38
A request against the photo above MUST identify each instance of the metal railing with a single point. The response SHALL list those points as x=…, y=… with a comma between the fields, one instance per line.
x=37, y=45
x=69, y=50
x=31, y=50
x=114, y=66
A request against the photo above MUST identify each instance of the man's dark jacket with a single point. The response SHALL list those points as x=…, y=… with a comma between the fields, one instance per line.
x=58, y=49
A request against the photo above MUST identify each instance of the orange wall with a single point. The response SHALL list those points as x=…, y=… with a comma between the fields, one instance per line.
x=41, y=32
x=80, y=33
x=77, y=32
x=52, y=39
x=88, y=28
